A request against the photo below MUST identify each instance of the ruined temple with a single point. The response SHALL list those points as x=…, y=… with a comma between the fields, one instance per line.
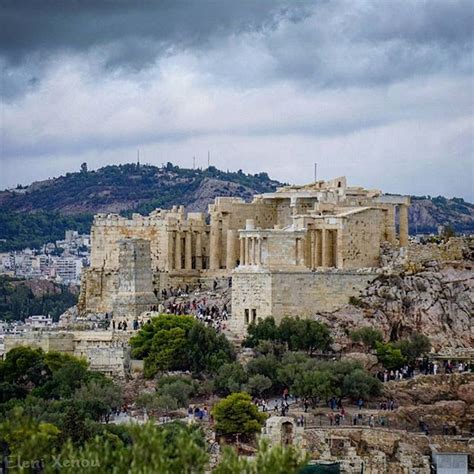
x=295, y=251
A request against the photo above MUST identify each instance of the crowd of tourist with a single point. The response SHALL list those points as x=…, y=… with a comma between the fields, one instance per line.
x=202, y=307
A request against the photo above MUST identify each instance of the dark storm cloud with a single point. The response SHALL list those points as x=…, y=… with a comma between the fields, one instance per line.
x=381, y=81
x=29, y=27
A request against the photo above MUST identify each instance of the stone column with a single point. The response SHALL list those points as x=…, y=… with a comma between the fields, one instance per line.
x=230, y=257
x=403, y=216
x=390, y=232
x=252, y=251
x=325, y=249
x=177, y=252
x=259, y=251
x=317, y=245
x=170, y=250
x=214, y=244
x=188, y=265
x=334, y=248
x=242, y=251
x=246, y=252
x=198, y=241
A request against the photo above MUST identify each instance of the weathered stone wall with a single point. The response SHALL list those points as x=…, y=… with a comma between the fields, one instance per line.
x=361, y=238
x=281, y=294
x=60, y=342
x=105, y=351
x=443, y=252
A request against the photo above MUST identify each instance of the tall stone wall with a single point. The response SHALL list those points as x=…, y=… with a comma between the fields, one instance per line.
x=360, y=240
x=279, y=294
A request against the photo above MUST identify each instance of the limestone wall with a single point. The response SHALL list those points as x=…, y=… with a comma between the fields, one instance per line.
x=279, y=294
x=360, y=240
x=450, y=251
x=105, y=351
x=60, y=342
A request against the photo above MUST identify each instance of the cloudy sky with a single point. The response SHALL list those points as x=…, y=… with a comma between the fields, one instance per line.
x=380, y=91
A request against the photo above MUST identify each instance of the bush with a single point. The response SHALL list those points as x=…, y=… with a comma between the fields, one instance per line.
x=237, y=415
x=414, y=347
x=178, y=388
x=230, y=378
x=297, y=334
x=360, y=384
x=368, y=336
x=389, y=356
x=258, y=384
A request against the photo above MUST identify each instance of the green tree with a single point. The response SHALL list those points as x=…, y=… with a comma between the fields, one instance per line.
x=99, y=398
x=367, y=335
x=237, y=415
x=178, y=388
x=263, y=330
x=389, y=356
x=414, y=347
x=151, y=449
x=258, y=384
x=171, y=342
x=360, y=384
x=29, y=441
x=266, y=365
x=317, y=385
x=277, y=460
x=230, y=378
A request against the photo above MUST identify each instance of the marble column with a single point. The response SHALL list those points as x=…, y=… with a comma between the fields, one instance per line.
x=242, y=251
x=188, y=265
x=246, y=252
x=177, y=252
x=317, y=248
x=403, y=217
x=390, y=232
x=252, y=251
x=259, y=251
x=334, y=248
x=171, y=245
x=215, y=245
x=230, y=251
x=325, y=249
x=198, y=250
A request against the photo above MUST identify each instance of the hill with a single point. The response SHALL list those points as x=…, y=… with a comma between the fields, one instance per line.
x=41, y=212
x=22, y=298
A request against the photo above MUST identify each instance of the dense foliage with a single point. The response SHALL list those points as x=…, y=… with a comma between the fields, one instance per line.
x=394, y=355
x=18, y=301
x=172, y=448
x=237, y=415
x=171, y=342
x=270, y=373
x=368, y=336
x=56, y=389
x=297, y=334
x=38, y=228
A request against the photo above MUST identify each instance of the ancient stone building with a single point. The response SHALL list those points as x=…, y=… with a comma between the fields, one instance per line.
x=105, y=351
x=290, y=252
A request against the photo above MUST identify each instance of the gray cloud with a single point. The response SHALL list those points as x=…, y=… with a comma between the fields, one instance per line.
x=94, y=80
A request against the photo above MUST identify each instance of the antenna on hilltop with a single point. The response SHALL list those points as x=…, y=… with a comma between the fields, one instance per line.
x=315, y=172
x=194, y=162
x=208, y=158
x=138, y=157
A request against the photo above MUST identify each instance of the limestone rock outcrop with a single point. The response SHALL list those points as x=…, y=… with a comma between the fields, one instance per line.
x=436, y=301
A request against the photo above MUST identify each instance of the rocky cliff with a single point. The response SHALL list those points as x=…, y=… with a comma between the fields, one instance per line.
x=431, y=297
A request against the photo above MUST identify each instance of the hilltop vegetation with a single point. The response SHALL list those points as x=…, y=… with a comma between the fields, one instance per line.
x=22, y=298
x=70, y=201
x=33, y=215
